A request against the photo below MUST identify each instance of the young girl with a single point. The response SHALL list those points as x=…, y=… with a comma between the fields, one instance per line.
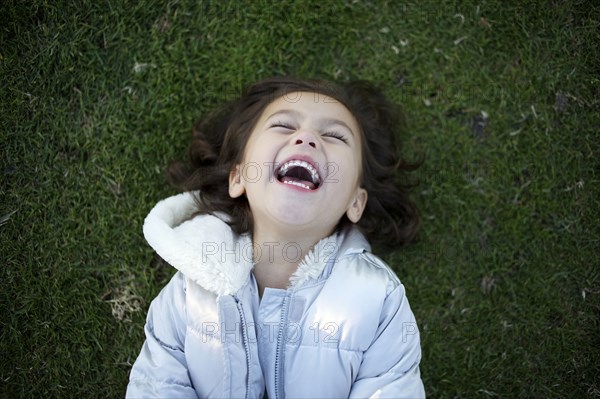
x=277, y=294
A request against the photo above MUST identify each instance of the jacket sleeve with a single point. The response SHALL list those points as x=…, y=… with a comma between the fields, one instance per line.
x=390, y=366
x=160, y=370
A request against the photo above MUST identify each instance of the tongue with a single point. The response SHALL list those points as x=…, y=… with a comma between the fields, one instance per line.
x=307, y=183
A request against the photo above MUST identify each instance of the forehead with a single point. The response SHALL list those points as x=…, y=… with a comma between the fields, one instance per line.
x=312, y=105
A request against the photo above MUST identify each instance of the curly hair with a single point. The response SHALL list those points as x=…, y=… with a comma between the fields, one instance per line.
x=390, y=218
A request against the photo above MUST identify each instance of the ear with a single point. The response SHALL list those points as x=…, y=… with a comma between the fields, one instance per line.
x=236, y=185
x=356, y=208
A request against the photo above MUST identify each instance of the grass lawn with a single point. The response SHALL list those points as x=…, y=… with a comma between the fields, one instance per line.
x=96, y=97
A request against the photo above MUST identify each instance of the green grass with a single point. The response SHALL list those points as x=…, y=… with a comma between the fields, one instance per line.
x=96, y=98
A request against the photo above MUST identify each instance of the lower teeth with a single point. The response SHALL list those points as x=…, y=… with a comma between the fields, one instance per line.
x=295, y=183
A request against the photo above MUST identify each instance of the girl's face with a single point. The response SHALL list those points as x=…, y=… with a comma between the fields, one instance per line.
x=302, y=166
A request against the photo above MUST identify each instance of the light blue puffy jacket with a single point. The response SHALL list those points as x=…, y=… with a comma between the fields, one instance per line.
x=345, y=326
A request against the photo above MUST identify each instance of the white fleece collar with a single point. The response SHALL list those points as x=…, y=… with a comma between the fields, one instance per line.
x=206, y=250
x=315, y=261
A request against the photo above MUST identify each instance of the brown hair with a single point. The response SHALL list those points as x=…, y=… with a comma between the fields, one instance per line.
x=390, y=218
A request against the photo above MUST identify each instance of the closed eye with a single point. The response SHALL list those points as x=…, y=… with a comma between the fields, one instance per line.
x=283, y=125
x=336, y=135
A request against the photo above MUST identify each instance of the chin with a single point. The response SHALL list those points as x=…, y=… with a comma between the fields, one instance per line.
x=296, y=220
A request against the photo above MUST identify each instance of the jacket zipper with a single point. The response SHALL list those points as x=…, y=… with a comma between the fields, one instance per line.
x=279, y=354
x=244, y=342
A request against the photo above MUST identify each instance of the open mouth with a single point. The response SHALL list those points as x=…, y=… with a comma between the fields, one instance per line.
x=300, y=174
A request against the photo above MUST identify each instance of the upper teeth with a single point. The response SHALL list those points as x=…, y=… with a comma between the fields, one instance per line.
x=303, y=164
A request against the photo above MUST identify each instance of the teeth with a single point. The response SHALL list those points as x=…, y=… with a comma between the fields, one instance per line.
x=295, y=183
x=313, y=172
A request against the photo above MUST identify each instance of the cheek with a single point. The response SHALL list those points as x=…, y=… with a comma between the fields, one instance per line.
x=353, y=165
x=358, y=166
x=257, y=148
x=257, y=166
x=343, y=178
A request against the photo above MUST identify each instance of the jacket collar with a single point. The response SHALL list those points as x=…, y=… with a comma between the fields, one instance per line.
x=206, y=250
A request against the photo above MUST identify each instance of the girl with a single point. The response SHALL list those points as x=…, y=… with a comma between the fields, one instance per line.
x=277, y=294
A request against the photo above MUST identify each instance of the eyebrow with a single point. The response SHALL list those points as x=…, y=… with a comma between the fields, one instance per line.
x=326, y=121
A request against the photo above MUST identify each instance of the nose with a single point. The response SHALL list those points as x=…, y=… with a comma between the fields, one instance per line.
x=305, y=138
